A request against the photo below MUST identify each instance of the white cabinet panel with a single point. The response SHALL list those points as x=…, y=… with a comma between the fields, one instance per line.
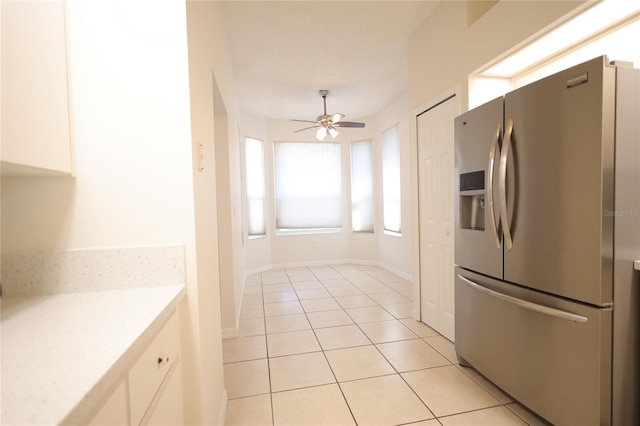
x=169, y=410
x=35, y=130
x=114, y=411
x=146, y=376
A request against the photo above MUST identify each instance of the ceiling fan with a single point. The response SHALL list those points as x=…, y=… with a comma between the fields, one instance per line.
x=328, y=123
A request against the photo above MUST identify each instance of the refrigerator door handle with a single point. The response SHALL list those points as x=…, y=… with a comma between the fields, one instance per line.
x=492, y=161
x=502, y=185
x=525, y=304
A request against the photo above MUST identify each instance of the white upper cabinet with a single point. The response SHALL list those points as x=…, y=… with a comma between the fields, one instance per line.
x=36, y=135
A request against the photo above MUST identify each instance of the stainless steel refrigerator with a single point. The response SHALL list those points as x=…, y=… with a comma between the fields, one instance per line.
x=547, y=230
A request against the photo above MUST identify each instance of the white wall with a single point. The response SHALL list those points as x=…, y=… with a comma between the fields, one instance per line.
x=214, y=119
x=134, y=184
x=443, y=51
x=396, y=252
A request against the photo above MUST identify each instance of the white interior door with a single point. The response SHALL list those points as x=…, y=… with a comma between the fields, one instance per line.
x=435, y=192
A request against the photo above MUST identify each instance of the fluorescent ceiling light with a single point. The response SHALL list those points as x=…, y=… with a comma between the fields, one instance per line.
x=592, y=21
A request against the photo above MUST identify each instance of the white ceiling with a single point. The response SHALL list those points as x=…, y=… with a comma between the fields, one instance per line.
x=285, y=51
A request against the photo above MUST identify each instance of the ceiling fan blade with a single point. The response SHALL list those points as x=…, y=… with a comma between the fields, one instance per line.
x=306, y=128
x=348, y=124
x=303, y=121
x=335, y=118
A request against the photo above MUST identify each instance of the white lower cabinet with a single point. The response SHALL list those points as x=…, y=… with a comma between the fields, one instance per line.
x=147, y=375
x=114, y=410
x=168, y=411
x=154, y=386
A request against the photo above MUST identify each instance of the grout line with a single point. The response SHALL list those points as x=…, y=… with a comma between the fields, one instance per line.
x=358, y=325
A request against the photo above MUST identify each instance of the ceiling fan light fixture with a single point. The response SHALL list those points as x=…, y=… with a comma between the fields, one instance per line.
x=321, y=133
x=327, y=123
x=335, y=118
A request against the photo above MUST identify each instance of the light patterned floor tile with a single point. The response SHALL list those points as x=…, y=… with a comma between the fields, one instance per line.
x=246, y=378
x=341, y=337
x=389, y=298
x=360, y=362
x=344, y=290
x=387, y=331
x=496, y=392
x=294, y=342
x=408, y=355
x=329, y=318
x=314, y=293
x=494, y=416
x=320, y=405
x=292, y=315
x=244, y=348
x=302, y=278
x=368, y=314
x=373, y=288
x=277, y=287
x=252, y=299
x=252, y=311
x=280, y=296
x=317, y=305
x=274, y=280
x=299, y=371
x=527, y=416
x=385, y=400
x=282, y=308
x=335, y=282
x=284, y=323
x=253, y=290
x=355, y=301
x=447, y=391
x=444, y=346
x=419, y=328
x=400, y=310
x=251, y=411
x=363, y=280
x=251, y=327
x=307, y=284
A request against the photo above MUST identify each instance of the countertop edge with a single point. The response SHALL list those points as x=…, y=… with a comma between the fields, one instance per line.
x=88, y=406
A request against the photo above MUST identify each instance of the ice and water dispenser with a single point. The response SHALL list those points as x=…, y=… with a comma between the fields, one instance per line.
x=472, y=202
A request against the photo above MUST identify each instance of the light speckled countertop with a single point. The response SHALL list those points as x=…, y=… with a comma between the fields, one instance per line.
x=62, y=354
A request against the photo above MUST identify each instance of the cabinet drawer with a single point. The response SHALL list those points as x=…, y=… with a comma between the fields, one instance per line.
x=148, y=372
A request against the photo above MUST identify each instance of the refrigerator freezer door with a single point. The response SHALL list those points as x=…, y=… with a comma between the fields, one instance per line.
x=552, y=355
x=478, y=242
x=560, y=183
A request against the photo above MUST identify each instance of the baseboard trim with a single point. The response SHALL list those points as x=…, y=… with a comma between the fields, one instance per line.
x=399, y=273
x=229, y=333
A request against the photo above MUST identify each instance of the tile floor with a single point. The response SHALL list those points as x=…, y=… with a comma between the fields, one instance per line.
x=337, y=345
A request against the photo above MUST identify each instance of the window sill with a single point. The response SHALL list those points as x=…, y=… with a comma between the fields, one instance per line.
x=393, y=233
x=286, y=232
